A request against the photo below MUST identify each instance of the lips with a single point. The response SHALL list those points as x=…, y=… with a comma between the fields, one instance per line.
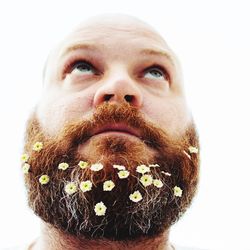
x=117, y=127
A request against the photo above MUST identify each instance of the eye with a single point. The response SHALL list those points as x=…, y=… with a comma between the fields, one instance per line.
x=83, y=68
x=155, y=72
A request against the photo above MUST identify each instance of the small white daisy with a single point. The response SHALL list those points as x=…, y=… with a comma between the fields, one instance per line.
x=26, y=168
x=24, y=158
x=177, y=191
x=44, y=179
x=142, y=169
x=166, y=173
x=83, y=164
x=70, y=188
x=119, y=167
x=96, y=167
x=86, y=186
x=136, y=196
x=146, y=180
x=158, y=183
x=154, y=165
x=123, y=174
x=38, y=146
x=108, y=185
x=100, y=209
x=63, y=166
x=193, y=150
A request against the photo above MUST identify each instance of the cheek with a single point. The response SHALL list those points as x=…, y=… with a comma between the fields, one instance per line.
x=171, y=115
x=54, y=111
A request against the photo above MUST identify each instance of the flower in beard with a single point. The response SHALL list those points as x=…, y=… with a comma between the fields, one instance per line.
x=38, y=146
x=26, y=168
x=44, y=179
x=96, y=167
x=86, y=185
x=142, y=169
x=177, y=191
x=100, y=209
x=119, y=167
x=123, y=174
x=154, y=165
x=193, y=150
x=108, y=185
x=24, y=158
x=158, y=183
x=146, y=180
x=63, y=166
x=70, y=188
x=83, y=164
x=136, y=196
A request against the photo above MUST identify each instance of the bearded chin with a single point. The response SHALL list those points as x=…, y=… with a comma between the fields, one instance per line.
x=124, y=219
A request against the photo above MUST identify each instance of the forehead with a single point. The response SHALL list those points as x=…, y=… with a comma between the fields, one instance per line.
x=115, y=38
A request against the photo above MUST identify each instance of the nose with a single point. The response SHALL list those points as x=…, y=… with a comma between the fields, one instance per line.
x=119, y=87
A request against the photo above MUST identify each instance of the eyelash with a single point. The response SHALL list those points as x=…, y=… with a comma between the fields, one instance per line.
x=158, y=67
x=70, y=66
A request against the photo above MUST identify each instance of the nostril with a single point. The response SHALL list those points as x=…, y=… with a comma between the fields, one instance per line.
x=128, y=98
x=107, y=97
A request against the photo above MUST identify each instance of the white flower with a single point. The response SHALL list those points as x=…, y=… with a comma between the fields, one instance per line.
x=166, y=173
x=38, y=146
x=83, y=164
x=177, y=191
x=63, y=166
x=96, y=167
x=44, y=179
x=146, y=180
x=193, y=150
x=142, y=169
x=70, y=188
x=158, y=183
x=154, y=165
x=24, y=158
x=100, y=209
x=123, y=174
x=136, y=196
x=108, y=185
x=86, y=186
x=26, y=168
x=119, y=167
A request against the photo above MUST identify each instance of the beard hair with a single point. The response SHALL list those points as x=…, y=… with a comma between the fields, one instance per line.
x=124, y=219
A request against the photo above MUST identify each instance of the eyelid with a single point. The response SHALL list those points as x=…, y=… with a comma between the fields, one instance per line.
x=159, y=67
x=70, y=65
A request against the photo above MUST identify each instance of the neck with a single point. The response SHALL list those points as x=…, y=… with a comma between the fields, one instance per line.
x=52, y=239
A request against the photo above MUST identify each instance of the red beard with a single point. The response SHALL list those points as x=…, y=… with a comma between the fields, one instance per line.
x=124, y=219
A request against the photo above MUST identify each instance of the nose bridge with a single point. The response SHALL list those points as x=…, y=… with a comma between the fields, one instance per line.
x=118, y=86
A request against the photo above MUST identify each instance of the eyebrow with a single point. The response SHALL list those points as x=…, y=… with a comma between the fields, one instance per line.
x=149, y=51
x=161, y=53
x=79, y=46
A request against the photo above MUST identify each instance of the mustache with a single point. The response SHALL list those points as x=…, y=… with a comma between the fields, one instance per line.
x=79, y=132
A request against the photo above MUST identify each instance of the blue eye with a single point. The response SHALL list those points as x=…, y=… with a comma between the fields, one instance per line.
x=83, y=68
x=155, y=73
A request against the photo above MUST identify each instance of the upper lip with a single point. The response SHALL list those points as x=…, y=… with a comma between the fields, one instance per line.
x=117, y=127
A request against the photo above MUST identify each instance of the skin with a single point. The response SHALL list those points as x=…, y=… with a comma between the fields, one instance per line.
x=120, y=69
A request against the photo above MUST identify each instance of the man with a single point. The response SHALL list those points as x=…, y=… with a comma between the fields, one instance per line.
x=111, y=156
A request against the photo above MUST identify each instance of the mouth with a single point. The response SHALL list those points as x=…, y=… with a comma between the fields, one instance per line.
x=117, y=129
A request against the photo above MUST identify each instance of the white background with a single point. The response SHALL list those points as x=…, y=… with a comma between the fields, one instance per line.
x=212, y=40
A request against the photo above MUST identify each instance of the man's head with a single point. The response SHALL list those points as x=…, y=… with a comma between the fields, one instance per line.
x=113, y=95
